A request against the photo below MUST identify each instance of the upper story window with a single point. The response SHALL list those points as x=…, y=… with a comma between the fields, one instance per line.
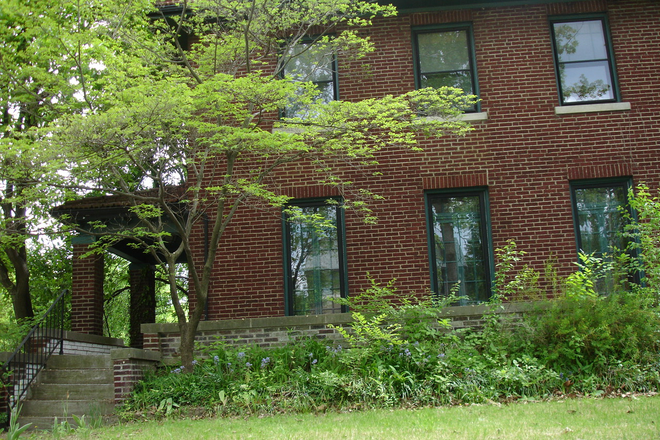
x=459, y=244
x=314, y=257
x=584, y=62
x=311, y=62
x=444, y=57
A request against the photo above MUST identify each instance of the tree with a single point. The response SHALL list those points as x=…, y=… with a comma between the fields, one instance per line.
x=48, y=67
x=191, y=127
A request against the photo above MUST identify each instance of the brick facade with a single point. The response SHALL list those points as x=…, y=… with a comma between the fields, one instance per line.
x=525, y=149
x=525, y=153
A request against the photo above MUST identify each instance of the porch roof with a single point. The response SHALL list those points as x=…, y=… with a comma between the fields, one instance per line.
x=114, y=212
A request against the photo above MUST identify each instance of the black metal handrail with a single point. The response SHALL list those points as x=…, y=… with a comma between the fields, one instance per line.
x=32, y=354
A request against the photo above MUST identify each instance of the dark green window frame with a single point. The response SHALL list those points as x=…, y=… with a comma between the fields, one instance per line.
x=474, y=271
x=598, y=221
x=571, y=63
x=307, y=288
x=445, y=70
x=321, y=84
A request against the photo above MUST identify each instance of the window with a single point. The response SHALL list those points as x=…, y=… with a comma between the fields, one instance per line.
x=307, y=62
x=444, y=58
x=314, y=258
x=599, y=220
x=583, y=58
x=459, y=249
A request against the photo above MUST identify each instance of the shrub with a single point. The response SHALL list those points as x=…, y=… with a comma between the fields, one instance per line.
x=590, y=334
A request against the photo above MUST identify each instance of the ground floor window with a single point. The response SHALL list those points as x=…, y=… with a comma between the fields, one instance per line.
x=599, y=208
x=315, y=268
x=459, y=249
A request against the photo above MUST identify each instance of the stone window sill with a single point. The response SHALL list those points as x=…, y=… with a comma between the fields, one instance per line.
x=467, y=117
x=592, y=108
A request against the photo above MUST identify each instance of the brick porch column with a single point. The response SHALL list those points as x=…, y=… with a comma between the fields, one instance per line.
x=143, y=300
x=86, y=289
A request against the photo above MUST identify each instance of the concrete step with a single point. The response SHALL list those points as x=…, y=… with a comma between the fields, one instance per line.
x=72, y=362
x=89, y=375
x=70, y=385
x=66, y=408
x=72, y=391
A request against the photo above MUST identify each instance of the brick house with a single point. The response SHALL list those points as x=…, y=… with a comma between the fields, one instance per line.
x=567, y=122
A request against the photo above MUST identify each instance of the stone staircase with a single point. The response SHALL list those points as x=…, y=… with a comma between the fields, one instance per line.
x=70, y=385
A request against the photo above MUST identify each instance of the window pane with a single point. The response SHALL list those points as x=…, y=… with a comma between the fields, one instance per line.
x=309, y=64
x=459, y=246
x=314, y=265
x=580, y=41
x=445, y=61
x=461, y=80
x=313, y=63
x=599, y=219
x=443, y=51
x=588, y=81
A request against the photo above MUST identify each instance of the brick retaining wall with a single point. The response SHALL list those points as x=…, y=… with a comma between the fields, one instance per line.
x=129, y=367
x=274, y=332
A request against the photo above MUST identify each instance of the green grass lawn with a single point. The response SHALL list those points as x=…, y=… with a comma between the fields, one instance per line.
x=615, y=418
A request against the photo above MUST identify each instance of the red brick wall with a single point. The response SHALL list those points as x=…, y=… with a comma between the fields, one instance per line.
x=523, y=153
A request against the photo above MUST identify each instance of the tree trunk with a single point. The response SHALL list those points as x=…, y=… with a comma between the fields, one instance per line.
x=19, y=286
x=22, y=301
x=187, y=345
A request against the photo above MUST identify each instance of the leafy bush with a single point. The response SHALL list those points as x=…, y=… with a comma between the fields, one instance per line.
x=643, y=232
x=591, y=334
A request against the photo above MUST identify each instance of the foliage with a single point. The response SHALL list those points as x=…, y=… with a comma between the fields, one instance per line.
x=582, y=283
x=50, y=270
x=643, y=231
x=50, y=273
x=15, y=430
x=511, y=284
x=12, y=333
x=46, y=62
x=592, y=335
